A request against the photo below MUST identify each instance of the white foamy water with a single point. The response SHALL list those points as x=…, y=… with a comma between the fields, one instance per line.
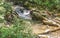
x=23, y=13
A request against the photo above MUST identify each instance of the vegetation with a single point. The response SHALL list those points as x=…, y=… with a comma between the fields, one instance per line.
x=14, y=27
x=49, y=4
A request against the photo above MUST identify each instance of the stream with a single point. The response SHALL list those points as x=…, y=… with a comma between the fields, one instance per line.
x=22, y=12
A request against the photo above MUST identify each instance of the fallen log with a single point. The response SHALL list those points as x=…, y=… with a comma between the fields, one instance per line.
x=57, y=21
x=50, y=31
x=57, y=14
x=46, y=34
x=57, y=18
x=51, y=22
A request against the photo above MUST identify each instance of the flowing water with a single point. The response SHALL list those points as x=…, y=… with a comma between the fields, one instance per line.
x=23, y=13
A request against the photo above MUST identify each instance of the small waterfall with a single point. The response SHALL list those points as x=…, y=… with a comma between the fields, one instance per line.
x=23, y=13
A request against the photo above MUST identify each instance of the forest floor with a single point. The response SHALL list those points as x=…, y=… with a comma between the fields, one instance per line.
x=39, y=29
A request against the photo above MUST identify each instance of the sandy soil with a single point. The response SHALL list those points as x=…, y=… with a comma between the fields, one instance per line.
x=38, y=29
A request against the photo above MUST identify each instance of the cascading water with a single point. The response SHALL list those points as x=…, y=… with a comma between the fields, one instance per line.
x=23, y=13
